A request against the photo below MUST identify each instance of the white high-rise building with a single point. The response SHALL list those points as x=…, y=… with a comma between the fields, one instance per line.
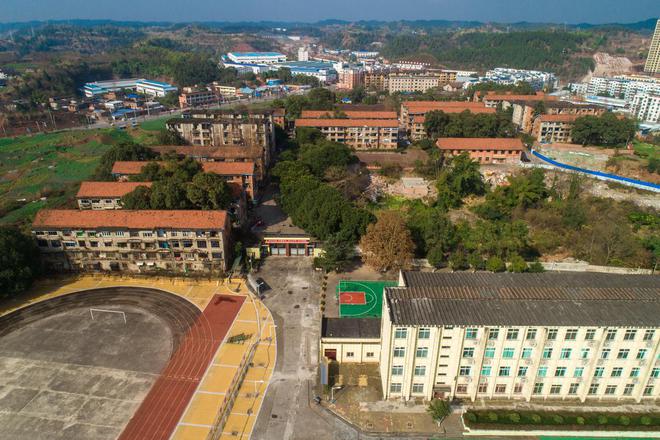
x=303, y=54
x=653, y=59
x=646, y=107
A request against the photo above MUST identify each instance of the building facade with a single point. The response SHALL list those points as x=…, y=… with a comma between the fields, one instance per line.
x=483, y=150
x=256, y=57
x=493, y=100
x=399, y=82
x=525, y=112
x=133, y=241
x=360, y=134
x=350, y=340
x=554, y=128
x=412, y=109
x=653, y=59
x=646, y=107
x=350, y=78
x=194, y=98
x=105, y=195
x=140, y=85
x=579, y=336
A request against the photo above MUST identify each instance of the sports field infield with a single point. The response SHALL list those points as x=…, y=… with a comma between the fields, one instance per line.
x=372, y=304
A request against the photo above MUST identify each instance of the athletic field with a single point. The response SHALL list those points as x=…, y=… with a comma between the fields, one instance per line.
x=361, y=299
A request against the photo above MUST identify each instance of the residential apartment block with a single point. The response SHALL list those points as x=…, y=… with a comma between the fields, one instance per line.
x=195, y=98
x=350, y=78
x=646, y=107
x=133, y=241
x=411, y=109
x=361, y=134
x=400, y=82
x=376, y=80
x=105, y=195
x=484, y=150
x=493, y=99
x=554, y=128
x=653, y=59
x=564, y=336
x=525, y=112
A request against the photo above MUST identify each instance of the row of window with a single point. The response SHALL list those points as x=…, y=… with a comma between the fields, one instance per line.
x=505, y=371
x=555, y=389
x=552, y=334
x=159, y=233
x=565, y=353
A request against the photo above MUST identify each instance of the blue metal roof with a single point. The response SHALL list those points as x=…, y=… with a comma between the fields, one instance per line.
x=257, y=54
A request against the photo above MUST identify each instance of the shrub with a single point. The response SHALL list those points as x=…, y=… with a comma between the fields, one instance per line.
x=535, y=267
x=470, y=417
x=514, y=417
x=495, y=264
x=492, y=417
x=579, y=420
x=624, y=420
x=557, y=419
x=645, y=420
x=602, y=420
x=535, y=418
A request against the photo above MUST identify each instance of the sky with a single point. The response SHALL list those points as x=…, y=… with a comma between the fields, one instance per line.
x=505, y=11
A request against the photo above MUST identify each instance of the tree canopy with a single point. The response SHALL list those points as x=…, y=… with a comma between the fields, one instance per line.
x=605, y=130
x=387, y=244
x=467, y=124
x=19, y=261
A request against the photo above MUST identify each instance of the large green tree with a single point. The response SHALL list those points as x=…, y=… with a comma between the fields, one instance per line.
x=19, y=261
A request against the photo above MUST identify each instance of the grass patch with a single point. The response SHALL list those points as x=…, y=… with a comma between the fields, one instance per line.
x=645, y=150
x=155, y=124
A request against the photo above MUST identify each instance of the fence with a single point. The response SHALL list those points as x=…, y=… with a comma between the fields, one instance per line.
x=597, y=174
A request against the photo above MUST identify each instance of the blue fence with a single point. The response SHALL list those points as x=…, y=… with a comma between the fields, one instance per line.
x=600, y=174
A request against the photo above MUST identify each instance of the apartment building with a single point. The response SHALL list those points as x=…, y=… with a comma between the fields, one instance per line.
x=241, y=173
x=646, y=107
x=196, y=98
x=493, y=100
x=133, y=241
x=217, y=128
x=105, y=195
x=483, y=150
x=360, y=134
x=554, y=128
x=524, y=112
x=412, y=109
x=402, y=82
x=225, y=91
x=652, y=64
x=350, y=78
x=376, y=80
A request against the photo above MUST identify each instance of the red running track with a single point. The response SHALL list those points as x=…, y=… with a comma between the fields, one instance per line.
x=162, y=408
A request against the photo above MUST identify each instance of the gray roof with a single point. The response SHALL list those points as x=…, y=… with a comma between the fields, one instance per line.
x=559, y=299
x=350, y=328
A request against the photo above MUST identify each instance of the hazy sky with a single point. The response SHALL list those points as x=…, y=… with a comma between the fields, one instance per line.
x=559, y=11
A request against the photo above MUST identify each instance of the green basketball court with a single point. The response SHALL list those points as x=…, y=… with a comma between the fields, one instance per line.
x=361, y=299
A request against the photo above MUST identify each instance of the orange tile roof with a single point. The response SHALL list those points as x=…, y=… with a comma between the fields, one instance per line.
x=558, y=118
x=519, y=97
x=387, y=123
x=223, y=168
x=108, y=189
x=351, y=114
x=120, y=218
x=411, y=104
x=479, y=144
x=421, y=107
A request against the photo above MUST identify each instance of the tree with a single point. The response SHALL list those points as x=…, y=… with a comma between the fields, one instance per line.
x=435, y=122
x=123, y=151
x=320, y=156
x=169, y=194
x=139, y=198
x=209, y=191
x=19, y=261
x=438, y=409
x=170, y=137
x=461, y=178
x=387, y=245
x=337, y=254
x=495, y=264
x=517, y=264
x=605, y=130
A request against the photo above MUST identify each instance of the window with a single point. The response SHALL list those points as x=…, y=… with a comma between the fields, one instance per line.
x=573, y=388
x=350, y=354
x=397, y=370
x=531, y=334
x=418, y=388
x=422, y=352
x=560, y=371
x=471, y=333
x=623, y=353
x=395, y=388
x=593, y=389
x=590, y=335
x=468, y=352
x=648, y=335
x=526, y=353
x=655, y=373
x=605, y=353
x=552, y=334
x=522, y=371
x=555, y=389
x=215, y=244
x=464, y=371
x=505, y=371
x=493, y=333
x=610, y=389
x=461, y=389
x=578, y=371
x=547, y=353
x=542, y=371
x=628, y=389
x=616, y=372
x=584, y=353
x=648, y=390
x=424, y=333
x=201, y=243
x=420, y=370
x=482, y=388
x=512, y=334
x=517, y=388
x=499, y=388
x=538, y=388
x=641, y=353
x=630, y=335
x=611, y=334
x=634, y=372
x=571, y=334
x=598, y=372
x=485, y=370
x=399, y=352
x=489, y=353
x=400, y=333
x=565, y=353
x=370, y=354
x=507, y=353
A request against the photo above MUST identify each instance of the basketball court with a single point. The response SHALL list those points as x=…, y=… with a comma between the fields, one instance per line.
x=361, y=299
